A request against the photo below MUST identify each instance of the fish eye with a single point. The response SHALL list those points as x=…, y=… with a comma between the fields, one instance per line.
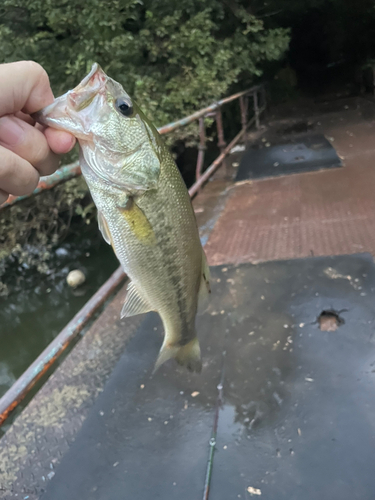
x=125, y=108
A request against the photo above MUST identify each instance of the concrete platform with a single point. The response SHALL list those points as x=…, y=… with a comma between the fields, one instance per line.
x=295, y=418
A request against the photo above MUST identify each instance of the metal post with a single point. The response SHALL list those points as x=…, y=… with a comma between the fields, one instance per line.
x=244, y=101
x=244, y=104
x=220, y=132
x=214, y=166
x=264, y=99
x=221, y=141
x=256, y=109
x=201, y=148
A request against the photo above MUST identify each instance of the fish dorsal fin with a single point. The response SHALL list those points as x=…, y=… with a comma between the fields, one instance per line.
x=134, y=304
x=204, y=288
x=103, y=226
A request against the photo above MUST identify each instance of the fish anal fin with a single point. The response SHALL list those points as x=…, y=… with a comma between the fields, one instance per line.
x=204, y=288
x=134, y=304
x=103, y=227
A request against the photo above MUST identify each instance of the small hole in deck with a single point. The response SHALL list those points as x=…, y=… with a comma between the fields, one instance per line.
x=329, y=320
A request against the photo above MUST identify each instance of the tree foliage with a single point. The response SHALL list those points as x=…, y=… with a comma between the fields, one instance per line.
x=171, y=56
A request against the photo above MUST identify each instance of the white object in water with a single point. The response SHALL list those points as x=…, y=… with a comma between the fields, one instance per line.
x=75, y=278
x=237, y=149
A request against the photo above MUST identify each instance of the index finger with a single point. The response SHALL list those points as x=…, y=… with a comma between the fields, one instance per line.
x=24, y=86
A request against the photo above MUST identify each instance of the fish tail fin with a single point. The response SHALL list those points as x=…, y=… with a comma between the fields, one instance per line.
x=166, y=352
x=188, y=355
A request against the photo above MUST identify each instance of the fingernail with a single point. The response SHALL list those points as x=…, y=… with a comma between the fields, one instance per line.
x=11, y=133
x=72, y=143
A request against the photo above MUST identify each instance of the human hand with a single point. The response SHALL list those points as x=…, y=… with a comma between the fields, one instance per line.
x=27, y=150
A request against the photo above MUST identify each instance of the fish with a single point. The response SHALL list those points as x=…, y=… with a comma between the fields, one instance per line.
x=144, y=209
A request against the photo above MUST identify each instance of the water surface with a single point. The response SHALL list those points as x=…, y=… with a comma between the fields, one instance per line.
x=40, y=305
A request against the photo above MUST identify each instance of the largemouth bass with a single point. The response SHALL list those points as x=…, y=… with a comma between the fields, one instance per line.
x=144, y=209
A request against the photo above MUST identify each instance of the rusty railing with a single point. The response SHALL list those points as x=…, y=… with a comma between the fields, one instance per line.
x=51, y=353
x=69, y=171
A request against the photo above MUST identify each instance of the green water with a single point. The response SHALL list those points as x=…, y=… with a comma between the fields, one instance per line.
x=39, y=306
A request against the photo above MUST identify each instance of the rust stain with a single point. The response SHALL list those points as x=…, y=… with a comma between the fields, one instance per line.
x=63, y=174
x=5, y=414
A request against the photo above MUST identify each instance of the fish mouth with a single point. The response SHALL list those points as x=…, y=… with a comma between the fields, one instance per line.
x=52, y=114
x=93, y=84
x=95, y=67
x=65, y=113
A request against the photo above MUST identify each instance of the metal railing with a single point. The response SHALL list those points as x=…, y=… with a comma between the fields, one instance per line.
x=73, y=170
x=51, y=353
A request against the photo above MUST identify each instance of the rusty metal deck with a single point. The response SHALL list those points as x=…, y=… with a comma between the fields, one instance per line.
x=329, y=212
x=303, y=215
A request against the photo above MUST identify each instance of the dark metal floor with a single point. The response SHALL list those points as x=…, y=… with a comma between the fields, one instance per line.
x=297, y=419
x=302, y=154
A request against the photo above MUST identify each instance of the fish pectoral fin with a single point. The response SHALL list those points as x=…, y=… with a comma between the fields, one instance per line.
x=103, y=227
x=134, y=304
x=204, y=288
